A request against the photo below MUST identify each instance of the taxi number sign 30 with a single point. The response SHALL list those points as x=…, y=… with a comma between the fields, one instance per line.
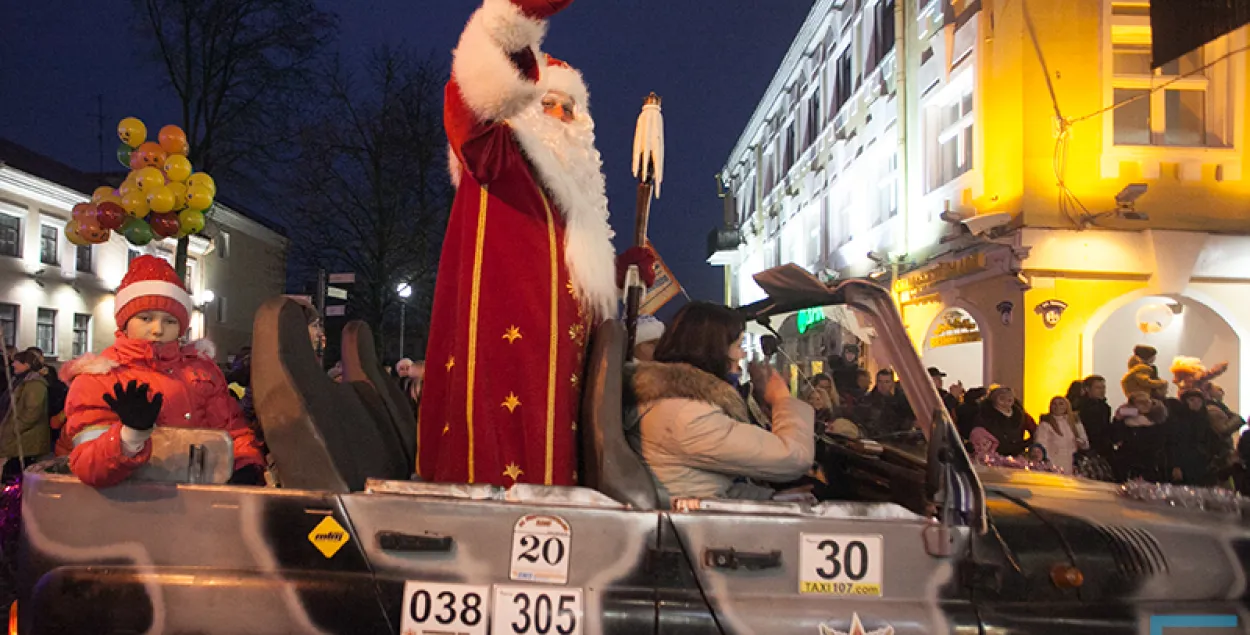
x=840, y=564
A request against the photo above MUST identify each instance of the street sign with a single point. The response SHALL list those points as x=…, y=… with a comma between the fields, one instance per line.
x=342, y=278
x=338, y=293
x=337, y=310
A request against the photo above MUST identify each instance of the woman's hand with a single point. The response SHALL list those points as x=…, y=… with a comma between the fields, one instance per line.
x=776, y=389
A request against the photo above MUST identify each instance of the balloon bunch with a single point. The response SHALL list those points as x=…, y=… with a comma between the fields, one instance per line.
x=161, y=197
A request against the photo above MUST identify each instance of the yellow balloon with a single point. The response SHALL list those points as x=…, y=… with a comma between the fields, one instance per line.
x=199, y=198
x=100, y=192
x=132, y=132
x=180, y=194
x=127, y=187
x=71, y=234
x=148, y=179
x=136, y=204
x=110, y=197
x=190, y=221
x=203, y=180
x=160, y=199
x=177, y=167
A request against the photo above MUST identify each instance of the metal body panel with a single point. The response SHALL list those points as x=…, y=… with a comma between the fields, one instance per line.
x=608, y=551
x=202, y=559
x=914, y=585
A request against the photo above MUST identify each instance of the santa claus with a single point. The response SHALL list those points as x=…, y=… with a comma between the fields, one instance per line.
x=528, y=265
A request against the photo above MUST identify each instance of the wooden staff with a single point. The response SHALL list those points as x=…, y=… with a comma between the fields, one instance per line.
x=649, y=170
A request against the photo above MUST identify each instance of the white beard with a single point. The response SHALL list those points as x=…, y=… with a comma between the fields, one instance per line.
x=566, y=162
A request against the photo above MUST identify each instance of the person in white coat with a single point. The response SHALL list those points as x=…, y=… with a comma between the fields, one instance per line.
x=691, y=425
x=1061, y=433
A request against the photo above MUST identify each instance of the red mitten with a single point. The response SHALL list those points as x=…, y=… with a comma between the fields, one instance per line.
x=541, y=9
x=644, y=257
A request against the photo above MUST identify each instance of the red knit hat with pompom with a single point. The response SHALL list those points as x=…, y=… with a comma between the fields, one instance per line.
x=151, y=285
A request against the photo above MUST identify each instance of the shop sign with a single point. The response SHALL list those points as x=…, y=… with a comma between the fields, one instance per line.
x=810, y=317
x=939, y=273
x=956, y=327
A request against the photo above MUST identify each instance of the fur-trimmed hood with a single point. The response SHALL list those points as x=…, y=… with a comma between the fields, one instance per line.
x=653, y=381
x=126, y=350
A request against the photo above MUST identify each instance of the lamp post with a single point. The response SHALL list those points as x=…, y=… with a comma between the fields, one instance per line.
x=405, y=291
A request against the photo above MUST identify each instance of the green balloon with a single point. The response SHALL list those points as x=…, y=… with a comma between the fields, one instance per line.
x=136, y=231
x=123, y=155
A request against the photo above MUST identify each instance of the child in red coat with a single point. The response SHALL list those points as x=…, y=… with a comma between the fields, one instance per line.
x=149, y=378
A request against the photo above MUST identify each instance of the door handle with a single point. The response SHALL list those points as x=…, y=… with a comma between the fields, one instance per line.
x=733, y=559
x=409, y=543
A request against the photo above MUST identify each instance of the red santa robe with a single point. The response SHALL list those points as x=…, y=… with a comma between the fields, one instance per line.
x=527, y=265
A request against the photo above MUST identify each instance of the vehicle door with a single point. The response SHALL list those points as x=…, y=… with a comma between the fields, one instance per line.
x=530, y=560
x=767, y=567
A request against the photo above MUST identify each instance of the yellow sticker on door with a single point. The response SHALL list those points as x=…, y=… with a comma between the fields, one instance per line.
x=328, y=537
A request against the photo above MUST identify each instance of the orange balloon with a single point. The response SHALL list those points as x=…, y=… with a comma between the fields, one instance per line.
x=173, y=140
x=150, y=154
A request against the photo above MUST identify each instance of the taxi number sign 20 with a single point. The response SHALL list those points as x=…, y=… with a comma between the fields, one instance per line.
x=540, y=550
x=838, y=564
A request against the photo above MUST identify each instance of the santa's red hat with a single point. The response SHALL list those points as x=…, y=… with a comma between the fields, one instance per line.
x=559, y=75
x=151, y=285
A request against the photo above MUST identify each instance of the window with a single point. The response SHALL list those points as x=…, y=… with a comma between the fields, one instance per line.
x=950, y=139
x=82, y=334
x=839, y=221
x=879, y=33
x=842, y=85
x=223, y=245
x=812, y=218
x=887, y=191
x=131, y=254
x=10, y=235
x=8, y=323
x=220, y=301
x=813, y=119
x=789, y=150
x=49, y=244
x=45, y=331
x=83, y=255
x=1193, y=109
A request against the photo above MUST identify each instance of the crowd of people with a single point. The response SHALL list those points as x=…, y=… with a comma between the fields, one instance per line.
x=1188, y=437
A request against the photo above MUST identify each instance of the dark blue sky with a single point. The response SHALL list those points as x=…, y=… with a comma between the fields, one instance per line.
x=710, y=60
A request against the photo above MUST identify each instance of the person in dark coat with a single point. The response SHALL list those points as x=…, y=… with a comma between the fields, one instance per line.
x=845, y=368
x=1141, y=439
x=1191, y=443
x=949, y=400
x=966, y=414
x=1002, y=416
x=1096, y=417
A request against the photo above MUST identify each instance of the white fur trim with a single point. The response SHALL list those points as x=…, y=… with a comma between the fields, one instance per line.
x=566, y=80
x=133, y=440
x=489, y=82
x=566, y=162
x=648, y=329
x=152, y=287
x=87, y=364
x=204, y=348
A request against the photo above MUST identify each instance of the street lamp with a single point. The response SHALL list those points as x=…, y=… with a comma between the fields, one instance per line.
x=405, y=291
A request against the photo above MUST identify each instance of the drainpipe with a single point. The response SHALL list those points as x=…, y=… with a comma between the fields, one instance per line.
x=900, y=80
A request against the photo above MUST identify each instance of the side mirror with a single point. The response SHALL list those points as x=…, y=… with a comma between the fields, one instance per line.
x=769, y=344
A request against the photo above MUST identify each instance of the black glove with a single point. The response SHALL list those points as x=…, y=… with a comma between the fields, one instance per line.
x=247, y=475
x=133, y=406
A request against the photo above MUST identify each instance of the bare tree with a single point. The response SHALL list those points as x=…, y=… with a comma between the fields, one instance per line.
x=372, y=193
x=240, y=68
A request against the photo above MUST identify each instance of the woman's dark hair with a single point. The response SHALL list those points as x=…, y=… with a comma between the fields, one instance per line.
x=1076, y=390
x=30, y=359
x=700, y=335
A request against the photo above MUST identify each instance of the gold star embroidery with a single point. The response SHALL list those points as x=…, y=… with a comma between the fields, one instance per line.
x=512, y=334
x=569, y=285
x=574, y=379
x=446, y=428
x=451, y=361
x=511, y=402
x=513, y=471
x=575, y=332
x=574, y=426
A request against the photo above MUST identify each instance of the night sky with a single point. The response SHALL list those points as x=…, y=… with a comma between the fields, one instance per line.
x=710, y=60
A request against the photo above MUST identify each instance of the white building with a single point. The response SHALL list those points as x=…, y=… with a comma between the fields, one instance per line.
x=59, y=297
x=970, y=154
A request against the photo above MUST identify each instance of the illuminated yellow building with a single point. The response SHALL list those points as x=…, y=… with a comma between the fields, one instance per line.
x=1028, y=253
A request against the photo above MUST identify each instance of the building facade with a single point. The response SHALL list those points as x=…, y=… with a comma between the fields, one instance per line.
x=59, y=297
x=985, y=159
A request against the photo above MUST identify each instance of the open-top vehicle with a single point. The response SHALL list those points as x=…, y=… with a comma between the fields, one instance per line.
x=351, y=543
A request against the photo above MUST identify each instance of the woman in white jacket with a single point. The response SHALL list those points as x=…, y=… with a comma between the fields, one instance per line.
x=692, y=425
x=1061, y=433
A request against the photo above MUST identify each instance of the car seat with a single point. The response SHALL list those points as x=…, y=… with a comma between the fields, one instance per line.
x=320, y=434
x=380, y=392
x=610, y=465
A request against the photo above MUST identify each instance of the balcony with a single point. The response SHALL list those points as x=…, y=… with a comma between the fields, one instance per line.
x=722, y=246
